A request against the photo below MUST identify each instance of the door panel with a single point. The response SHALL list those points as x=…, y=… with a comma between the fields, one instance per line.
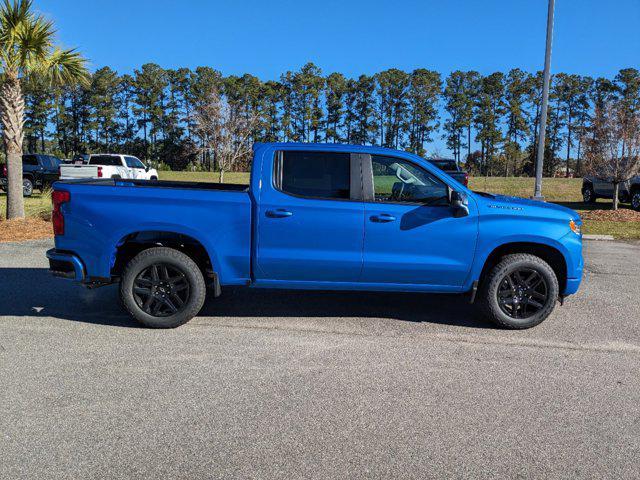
x=418, y=244
x=52, y=171
x=411, y=235
x=310, y=239
x=603, y=187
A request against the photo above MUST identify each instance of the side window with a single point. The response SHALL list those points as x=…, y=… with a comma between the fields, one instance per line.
x=133, y=162
x=313, y=174
x=106, y=160
x=30, y=160
x=52, y=163
x=398, y=181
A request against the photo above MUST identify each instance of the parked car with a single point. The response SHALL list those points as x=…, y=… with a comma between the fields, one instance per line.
x=38, y=172
x=451, y=167
x=628, y=192
x=105, y=165
x=326, y=217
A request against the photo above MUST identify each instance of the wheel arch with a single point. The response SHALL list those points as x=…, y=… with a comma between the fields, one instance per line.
x=131, y=244
x=550, y=254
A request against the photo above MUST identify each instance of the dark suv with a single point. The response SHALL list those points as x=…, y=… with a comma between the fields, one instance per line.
x=38, y=171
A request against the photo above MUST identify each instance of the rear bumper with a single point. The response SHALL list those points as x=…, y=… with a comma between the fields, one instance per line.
x=65, y=265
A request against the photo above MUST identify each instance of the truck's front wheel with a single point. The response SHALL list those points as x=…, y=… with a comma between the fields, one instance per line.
x=519, y=292
x=162, y=288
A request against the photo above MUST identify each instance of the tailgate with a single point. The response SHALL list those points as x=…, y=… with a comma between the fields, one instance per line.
x=78, y=171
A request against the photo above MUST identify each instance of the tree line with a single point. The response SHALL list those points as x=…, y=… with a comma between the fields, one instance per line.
x=490, y=122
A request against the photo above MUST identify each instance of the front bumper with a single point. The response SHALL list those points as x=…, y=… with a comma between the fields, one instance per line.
x=65, y=265
x=573, y=282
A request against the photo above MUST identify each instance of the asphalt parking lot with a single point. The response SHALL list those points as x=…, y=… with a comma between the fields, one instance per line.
x=318, y=385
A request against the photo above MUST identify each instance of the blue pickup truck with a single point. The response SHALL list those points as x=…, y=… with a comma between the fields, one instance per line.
x=321, y=217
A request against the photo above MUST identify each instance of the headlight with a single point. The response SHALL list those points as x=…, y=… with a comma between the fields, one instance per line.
x=575, y=227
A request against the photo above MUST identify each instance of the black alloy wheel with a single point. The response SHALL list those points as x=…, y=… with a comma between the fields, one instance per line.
x=161, y=290
x=523, y=293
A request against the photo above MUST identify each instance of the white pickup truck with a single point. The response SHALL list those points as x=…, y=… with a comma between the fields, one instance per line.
x=109, y=166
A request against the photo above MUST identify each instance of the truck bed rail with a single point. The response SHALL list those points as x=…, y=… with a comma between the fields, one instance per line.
x=110, y=182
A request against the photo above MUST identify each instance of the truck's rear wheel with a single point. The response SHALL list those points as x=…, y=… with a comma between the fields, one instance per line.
x=27, y=187
x=588, y=194
x=162, y=288
x=519, y=292
x=635, y=199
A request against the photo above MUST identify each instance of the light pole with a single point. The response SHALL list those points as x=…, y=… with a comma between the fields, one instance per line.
x=537, y=195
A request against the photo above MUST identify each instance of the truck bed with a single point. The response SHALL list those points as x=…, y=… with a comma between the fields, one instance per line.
x=101, y=213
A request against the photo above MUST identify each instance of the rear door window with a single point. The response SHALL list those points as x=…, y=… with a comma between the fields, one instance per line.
x=314, y=174
x=107, y=160
x=30, y=160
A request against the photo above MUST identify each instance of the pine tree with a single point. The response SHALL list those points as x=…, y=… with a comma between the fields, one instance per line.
x=102, y=102
x=392, y=106
x=516, y=89
x=456, y=100
x=489, y=110
x=37, y=110
x=425, y=89
x=335, y=92
x=364, y=126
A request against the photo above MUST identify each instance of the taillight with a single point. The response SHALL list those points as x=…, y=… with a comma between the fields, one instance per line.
x=58, y=197
x=99, y=172
x=466, y=179
x=4, y=170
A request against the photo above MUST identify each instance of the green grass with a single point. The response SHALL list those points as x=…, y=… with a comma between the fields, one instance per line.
x=229, y=177
x=619, y=230
x=554, y=189
x=561, y=190
x=36, y=204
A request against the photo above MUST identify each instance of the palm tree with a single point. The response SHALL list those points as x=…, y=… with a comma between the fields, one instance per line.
x=27, y=48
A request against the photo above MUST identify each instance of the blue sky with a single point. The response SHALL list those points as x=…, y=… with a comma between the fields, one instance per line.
x=268, y=37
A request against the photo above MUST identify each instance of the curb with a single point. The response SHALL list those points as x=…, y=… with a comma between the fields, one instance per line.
x=597, y=237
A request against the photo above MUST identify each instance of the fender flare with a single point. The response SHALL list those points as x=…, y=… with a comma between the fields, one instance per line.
x=117, y=239
x=482, y=256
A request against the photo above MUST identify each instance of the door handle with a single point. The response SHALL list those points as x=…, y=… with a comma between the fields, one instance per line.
x=383, y=218
x=279, y=213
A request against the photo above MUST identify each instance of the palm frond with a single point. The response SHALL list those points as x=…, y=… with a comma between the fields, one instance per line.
x=25, y=38
x=64, y=67
x=14, y=13
x=34, y=40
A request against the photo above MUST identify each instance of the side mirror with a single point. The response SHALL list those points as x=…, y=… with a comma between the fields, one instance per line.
x=459, y=203
x=146, y=168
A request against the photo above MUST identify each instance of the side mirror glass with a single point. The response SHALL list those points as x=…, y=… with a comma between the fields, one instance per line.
x=146, y=168
x=459, y=203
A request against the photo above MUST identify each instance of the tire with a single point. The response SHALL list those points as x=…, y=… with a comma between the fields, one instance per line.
x=116, y=177
x=27, y=187
x=588, y=194
x=635, y=199
x=506, y=300
x=187, y=287
x=154, y=178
